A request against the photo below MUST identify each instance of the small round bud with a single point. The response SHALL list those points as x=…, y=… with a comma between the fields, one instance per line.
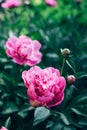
x=35, y=103
x=26, y=2
x=78, y=1
x=71, y=79
x=65, y=52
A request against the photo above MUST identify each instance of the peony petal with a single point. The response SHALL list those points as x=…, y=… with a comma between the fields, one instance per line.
x=37, y=45
x=62, y=83
x=31, y=92
x=57, y=100
x=46, y=98
x=25, y=77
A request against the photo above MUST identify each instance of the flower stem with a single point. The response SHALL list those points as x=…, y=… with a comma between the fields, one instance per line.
x=63, y=66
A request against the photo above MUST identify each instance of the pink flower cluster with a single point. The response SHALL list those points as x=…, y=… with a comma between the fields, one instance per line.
x=45, y=87
x=52, y=3
x=3, y=128
x=11, y=3
x=23, y=50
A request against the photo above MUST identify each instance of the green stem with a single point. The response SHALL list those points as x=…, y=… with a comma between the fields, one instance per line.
x=63, y=66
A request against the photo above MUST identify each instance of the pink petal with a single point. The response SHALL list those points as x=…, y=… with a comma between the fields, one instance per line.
x=57, y=100
x=31, y=92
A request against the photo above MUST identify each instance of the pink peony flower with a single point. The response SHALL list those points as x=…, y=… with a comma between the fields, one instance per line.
x=52, y=3
x=3, y=128
x=23, y=50
x=11, y=3
x=45, y=87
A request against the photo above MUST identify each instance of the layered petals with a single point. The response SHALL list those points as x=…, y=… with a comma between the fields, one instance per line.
x=23, y=50
x=11, y=3
x=44, y=86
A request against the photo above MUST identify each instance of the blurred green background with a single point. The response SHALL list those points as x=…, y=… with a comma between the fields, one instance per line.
x=64, y=26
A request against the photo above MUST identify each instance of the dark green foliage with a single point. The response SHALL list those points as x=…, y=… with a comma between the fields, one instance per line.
x=64, y=26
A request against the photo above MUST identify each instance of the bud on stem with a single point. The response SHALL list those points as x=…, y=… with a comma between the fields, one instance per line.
x=71, y=79
x=65, y=52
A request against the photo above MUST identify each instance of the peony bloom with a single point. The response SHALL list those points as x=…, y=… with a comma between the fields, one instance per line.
x=23, y=50
x=11, y=3
x=52, y=3
x=45, y=87
x=3, y=128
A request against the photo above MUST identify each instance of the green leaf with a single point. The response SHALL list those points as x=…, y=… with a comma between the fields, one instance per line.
x=80, y=74
x=41, y=114
x=24, y=110
x=9, y=108
x=8, y=122
x=21, y=92
x=69, y=128
x=71, y=64
x=69, y=93
x=52, y=55
x=79, y=105
x=57, y=126
x=65, y=119
x=49, y=124
x=79, y=100
x=1, y=103
x=80, y=110
x=83, y=122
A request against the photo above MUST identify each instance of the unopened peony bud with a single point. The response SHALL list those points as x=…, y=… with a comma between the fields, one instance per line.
x=71, y=79
x=65, y=52
x=27, y=2
x=78, y=1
